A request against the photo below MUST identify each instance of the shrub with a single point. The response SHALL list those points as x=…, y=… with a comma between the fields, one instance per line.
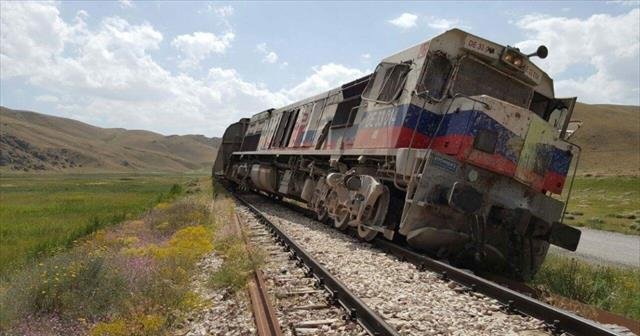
x=609, y=288
x=184, y=248
x=172, y=194
x=72, y=285
x=166, y=284
x=237, y=268
x=175, y=190
x=169, y=219
x=137, y=325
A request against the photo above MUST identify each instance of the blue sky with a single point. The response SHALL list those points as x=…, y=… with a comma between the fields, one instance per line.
x=194, y=67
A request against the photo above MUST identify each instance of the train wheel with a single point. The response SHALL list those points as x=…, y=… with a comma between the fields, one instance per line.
x=379, y=213
x=366, y=234
x=341, y=221
x=321, y=212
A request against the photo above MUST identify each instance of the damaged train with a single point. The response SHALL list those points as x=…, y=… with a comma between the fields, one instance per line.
x=456, y=146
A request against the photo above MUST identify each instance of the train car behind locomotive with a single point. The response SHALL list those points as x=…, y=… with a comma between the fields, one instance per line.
x=457, y=145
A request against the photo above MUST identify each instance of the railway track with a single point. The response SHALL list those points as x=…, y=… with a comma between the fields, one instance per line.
x=487, y=301
x=308, y=300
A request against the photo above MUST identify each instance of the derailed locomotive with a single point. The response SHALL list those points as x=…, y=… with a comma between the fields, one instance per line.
x=456, y=146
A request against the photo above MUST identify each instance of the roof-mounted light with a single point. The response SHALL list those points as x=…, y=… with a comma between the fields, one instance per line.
x=513, y=58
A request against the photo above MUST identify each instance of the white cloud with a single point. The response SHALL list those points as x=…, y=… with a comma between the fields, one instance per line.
x=324, y=77
x=270, y=56
x=223, y=14
x=366, y=56
x=442, y=24
x=625, y=2
x=47, y=99
x=107, y=76
x=609, y=44
x=405, y=20
x=31, y=33
x=197, y=46
x=224, y=11
x=125, y=3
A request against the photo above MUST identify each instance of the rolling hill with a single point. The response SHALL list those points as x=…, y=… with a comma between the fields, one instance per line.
x=34, y=142
x=29, y=141
x=610, y=139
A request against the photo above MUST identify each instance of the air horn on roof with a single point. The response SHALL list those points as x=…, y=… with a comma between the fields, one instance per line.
x=542, y=52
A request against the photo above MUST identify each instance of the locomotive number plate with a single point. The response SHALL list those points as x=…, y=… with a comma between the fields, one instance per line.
x=442, y=163
x=481, y=46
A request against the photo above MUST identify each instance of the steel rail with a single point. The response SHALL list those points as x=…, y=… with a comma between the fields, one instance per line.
x=557, y=319
x=339, y=293
x=264, y=314
x=267, y=323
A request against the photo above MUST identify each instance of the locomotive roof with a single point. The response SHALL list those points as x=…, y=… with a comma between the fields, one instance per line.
x=454, y=42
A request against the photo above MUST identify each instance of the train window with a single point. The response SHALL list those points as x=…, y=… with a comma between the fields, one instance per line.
x=476, y=78
x=387, y=82
x=290, y=124
x=314, y=122
x=539, y=105
x=346, y=112
x=279, y=135
x=347, y=109
x=435, y=75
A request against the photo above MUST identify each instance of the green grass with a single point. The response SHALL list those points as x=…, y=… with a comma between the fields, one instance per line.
x=42, y=214
x=609, y=288
x=606, y=203
x=132, y=278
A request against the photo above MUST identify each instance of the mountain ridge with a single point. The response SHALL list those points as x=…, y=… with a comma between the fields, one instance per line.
x=33, y=141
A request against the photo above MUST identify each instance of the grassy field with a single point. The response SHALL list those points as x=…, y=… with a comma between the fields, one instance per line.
x=133, y=278
x=613, y=289
x=606, y=203
x=42, y=214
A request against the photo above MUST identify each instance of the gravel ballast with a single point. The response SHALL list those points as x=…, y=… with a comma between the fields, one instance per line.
x=414, y=302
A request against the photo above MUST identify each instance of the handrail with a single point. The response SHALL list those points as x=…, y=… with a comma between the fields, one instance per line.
x=575, y=170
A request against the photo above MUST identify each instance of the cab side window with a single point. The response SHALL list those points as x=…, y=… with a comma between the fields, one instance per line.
x=435, y=75
x=351, y=98
x=387, y=82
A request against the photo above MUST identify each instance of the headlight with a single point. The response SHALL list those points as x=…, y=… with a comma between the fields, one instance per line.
x=513, y=58
x=472, y=176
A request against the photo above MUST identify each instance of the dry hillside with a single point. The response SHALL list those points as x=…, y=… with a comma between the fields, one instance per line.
x=610, y=139
x=31, y=141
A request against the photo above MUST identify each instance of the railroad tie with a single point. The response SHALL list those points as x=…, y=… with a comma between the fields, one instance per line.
x=314, y=323
x=310, y=307
x=299, y=292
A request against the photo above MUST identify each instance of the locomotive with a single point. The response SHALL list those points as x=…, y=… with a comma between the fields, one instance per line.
x=456, y=146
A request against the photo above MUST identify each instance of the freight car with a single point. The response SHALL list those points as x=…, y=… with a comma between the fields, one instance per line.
x=456, y=146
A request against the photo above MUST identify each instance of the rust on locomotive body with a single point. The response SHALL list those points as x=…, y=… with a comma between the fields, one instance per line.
x=457, y=145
